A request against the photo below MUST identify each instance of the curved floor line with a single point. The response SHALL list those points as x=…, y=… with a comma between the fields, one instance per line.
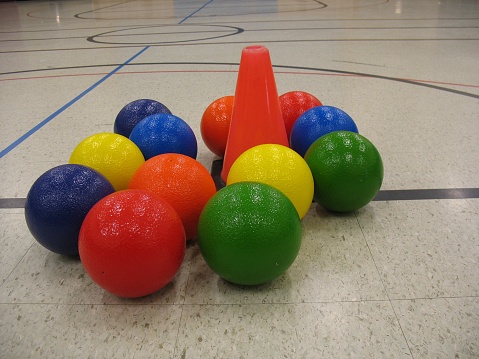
x=93, y=38
x=423, y=83
x=78, y=15
x=106, y=7
x=222, y=71
x=397, y=79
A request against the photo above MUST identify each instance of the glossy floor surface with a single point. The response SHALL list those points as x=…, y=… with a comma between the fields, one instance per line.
x=398, y=278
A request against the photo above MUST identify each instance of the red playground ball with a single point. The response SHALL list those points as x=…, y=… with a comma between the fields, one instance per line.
x=132, y=243
x=294, y=104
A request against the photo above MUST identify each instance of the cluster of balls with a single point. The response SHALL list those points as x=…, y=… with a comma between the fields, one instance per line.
x=250, y=231
x=126, y=202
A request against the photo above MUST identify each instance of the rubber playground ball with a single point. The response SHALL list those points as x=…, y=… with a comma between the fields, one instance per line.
x=317, y=122
x=114, y=156
x=294, y=104
x=249, y=233
x=347, y=170
x=277, y=166
x=134, y=112
x=164, y=133
x=58, y=202
x=181, y=180
x=132, y=243
x=215, y=124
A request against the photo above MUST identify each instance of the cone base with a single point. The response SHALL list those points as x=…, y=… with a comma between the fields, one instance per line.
x=216, y=168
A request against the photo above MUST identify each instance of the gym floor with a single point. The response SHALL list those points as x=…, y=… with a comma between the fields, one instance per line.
x=398, y=278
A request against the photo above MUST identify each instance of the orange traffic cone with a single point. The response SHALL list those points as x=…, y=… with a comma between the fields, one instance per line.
x=256, y=117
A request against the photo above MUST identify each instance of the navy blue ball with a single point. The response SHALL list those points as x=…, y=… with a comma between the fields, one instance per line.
x=162, y=133
x=57, y=203
x=317, y=122
x=134, y=112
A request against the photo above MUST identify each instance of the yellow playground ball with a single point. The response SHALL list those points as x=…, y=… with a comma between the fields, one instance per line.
x=279, y=167
x=114, y=156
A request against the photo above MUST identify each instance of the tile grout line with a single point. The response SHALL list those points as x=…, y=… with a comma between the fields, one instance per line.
x=384, y=284
x=16, y=265
x=182, y=306
x=235, y=304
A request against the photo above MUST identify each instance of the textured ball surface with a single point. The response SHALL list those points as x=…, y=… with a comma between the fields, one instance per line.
x=132, y=243
x=58, y=202
x=215, y=124
x=294, y=104
x=318, y=122
x=114, y=156
x=249, y=233
x=277, y=166
x=184, y=182
x=347, y=170
x=134, y=112
x=164, y=133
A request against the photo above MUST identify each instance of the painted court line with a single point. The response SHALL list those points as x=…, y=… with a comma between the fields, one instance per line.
x=212, y=71
x=33, y=130
x=194, y=12
x=26, y=135
x=385, y=195
x=423, y=194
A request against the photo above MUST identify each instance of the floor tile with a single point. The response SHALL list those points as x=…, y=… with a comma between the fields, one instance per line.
x=46, y=277
x=88, y=331
x=339, y=330
x=440, y=328
x=416, y=255
x=14, y=242
x=429, y=170
x=29, y=170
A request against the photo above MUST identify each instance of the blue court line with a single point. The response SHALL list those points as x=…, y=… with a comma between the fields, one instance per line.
x=194, y=12
x=26, y=135
x=64, y=107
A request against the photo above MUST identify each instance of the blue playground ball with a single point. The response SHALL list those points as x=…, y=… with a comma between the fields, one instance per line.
x=57, y=203
x=317, y=122
x=162, y=133
x=134, y=112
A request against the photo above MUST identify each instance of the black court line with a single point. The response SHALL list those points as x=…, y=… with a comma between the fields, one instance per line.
x=289, y=67
x=126, y=28
x=385, y=195
x=275, y=21
x=421, y=194
x=314, y=7
x=219, y=43
x=12, y=203
x=368, y=20
x=78, y=16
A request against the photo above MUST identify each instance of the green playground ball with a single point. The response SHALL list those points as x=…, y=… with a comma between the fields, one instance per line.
x=249, y=233
x=347, y=171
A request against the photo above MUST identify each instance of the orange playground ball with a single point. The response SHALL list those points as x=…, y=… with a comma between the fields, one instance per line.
x=215, y=124
x=183, y=181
